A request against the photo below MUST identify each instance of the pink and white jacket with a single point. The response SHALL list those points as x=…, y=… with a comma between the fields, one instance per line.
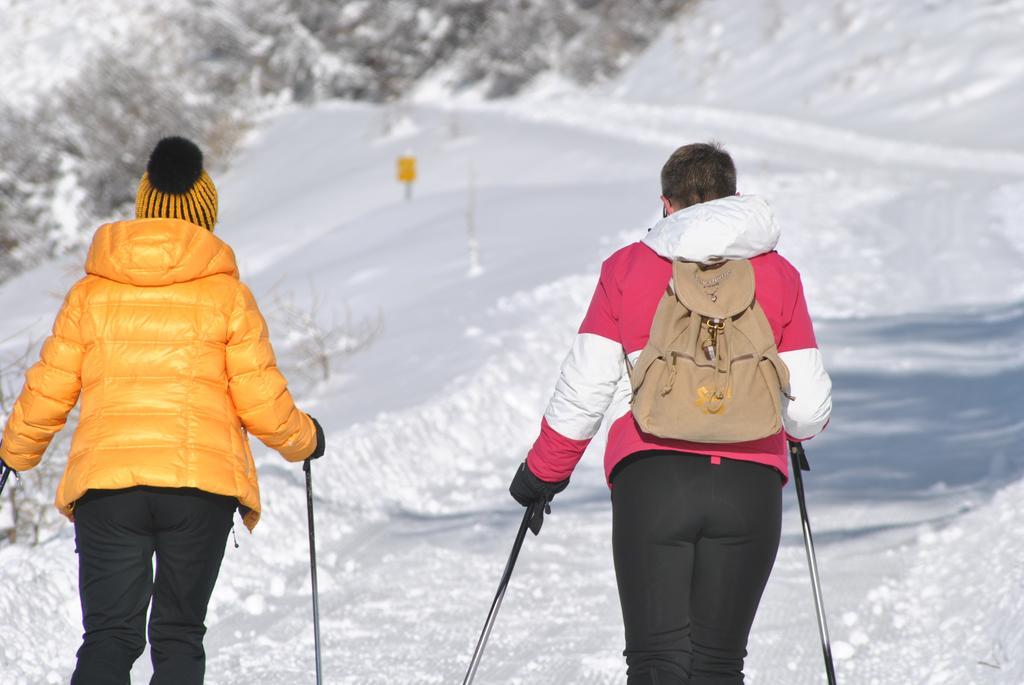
x=594, y=382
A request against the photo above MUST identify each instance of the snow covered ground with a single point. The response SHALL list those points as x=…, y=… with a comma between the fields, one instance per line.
x=913, y=260
x=924, y=70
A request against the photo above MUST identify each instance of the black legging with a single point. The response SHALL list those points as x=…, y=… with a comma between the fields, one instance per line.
x=694, y=544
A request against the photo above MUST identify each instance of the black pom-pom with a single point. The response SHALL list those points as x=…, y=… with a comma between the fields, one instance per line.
x=175, y=165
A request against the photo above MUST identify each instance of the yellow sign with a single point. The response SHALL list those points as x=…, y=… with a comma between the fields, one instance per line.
x=407, y=169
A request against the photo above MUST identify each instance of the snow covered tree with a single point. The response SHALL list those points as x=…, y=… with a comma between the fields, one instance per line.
x=74, y=159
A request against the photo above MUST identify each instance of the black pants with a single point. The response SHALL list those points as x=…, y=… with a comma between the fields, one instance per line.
x=694, y=544
x=117, y=533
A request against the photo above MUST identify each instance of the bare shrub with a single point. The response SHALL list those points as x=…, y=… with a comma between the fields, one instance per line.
x=317, y=337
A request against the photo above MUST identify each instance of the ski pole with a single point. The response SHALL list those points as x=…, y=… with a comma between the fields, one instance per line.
x=800, y=464
x=502, y=586
x=312, y=567
x=7, y=471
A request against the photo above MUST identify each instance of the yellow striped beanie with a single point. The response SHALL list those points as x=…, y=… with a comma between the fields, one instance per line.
x=175, y=186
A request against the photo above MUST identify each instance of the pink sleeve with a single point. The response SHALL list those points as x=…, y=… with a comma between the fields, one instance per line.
x=797, y=329
x=602, y=317
x=553, y=456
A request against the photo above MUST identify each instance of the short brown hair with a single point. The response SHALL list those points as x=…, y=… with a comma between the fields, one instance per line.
x=698, y=173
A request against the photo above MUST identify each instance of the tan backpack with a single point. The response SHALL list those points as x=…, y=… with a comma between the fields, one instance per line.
x=711, y=371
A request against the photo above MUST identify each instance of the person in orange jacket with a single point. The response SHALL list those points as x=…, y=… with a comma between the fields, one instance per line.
x=172, y=360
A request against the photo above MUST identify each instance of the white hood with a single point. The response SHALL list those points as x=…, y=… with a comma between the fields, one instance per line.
x=734, y=227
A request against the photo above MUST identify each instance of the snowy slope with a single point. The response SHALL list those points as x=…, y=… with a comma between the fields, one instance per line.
x=925, y=70
x=411, y=496
x=912, y=260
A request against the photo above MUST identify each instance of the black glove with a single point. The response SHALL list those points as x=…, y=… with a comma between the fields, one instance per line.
x=527, y=489
x=321, y=442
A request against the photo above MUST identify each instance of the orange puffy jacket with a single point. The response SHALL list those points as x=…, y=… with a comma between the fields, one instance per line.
x=173, y=362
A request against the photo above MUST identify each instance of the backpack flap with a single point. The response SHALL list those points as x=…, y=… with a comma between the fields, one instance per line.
x=720, y=291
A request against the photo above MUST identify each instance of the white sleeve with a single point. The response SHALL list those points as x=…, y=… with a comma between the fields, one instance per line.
x=806, y=415
x=586, y=386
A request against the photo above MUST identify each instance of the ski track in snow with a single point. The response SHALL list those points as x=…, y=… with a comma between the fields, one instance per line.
x=660, y=124
x=913, y=494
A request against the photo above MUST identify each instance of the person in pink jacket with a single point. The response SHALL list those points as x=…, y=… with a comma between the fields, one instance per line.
x=695, y=526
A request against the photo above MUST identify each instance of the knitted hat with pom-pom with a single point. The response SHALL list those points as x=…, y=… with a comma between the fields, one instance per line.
x=175, y=186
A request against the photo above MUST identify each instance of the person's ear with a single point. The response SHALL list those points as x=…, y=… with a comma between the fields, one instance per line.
x=666, y=206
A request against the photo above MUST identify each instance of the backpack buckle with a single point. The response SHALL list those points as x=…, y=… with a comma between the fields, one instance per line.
x=709, y=346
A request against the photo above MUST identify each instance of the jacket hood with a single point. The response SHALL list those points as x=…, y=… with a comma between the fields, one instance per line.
x=156, y=252
x=734, y=227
